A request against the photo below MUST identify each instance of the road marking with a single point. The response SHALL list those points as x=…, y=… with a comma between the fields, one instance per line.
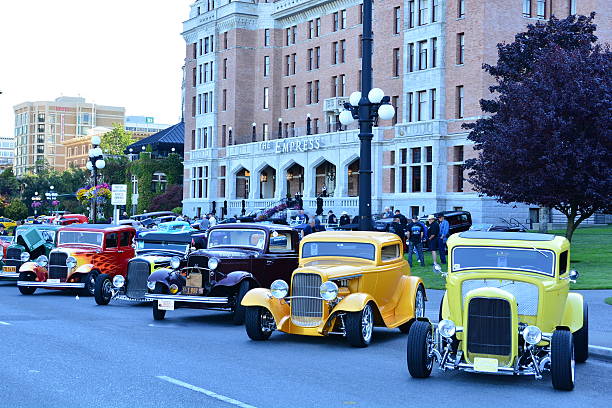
x=5, y=323
x=205, y=392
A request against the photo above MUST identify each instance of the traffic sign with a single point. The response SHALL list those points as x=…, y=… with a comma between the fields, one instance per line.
x=119, y=194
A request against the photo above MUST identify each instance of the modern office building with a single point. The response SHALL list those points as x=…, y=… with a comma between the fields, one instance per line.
x=143, y=126
x=7, y=152
x=264, y=83
x=42, y=126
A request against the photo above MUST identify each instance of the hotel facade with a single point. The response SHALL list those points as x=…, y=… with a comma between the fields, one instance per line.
x=264, y=83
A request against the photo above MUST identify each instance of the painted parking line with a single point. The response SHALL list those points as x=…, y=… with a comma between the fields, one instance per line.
x=205, y=392
x=5, y=323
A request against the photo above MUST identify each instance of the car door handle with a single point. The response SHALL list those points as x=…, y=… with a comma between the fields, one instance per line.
x=269, y=262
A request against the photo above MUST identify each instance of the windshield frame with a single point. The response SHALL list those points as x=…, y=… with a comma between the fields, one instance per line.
x=373, y=259
x=252, y=230
x=549, y=251
x=60, y=242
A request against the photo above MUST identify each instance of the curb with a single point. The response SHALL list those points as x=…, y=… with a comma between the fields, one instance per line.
x=602, y=353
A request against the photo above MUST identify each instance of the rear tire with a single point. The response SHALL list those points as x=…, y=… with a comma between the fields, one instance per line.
x=103, y=289
x=360, y=326
x=26, y=290
x=418, y=360
x=562, y=360
x=581, y=337
x=90, y=284
x=157, y=313
x=253, y=323
x=239, y=310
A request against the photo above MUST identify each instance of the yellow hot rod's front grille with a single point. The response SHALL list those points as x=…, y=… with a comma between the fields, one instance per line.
x=306, y=302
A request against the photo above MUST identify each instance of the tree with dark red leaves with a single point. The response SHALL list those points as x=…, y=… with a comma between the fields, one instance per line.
x=171, y=198
x=548, y=140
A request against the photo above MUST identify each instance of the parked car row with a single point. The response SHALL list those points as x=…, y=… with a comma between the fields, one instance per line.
x=507, y=308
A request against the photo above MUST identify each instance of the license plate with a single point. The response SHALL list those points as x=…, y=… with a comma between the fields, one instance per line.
x=9, y=268
x=164, y=304
x=191, y=291
x=53, y=280
x=486, y=365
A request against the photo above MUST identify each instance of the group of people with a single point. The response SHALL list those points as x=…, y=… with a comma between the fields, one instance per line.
x=434, y=233
x=207, y=221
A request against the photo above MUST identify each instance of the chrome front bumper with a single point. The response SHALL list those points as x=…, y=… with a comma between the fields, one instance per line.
x=9, y=274
x=187, y=298
x=60, y=285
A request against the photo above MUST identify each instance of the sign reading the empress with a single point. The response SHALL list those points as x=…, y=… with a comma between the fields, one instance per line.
x=289, y=146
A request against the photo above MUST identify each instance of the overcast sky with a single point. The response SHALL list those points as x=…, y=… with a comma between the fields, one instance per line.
x=112, y=52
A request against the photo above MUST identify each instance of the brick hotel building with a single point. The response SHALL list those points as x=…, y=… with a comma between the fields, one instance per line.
x=264, y=83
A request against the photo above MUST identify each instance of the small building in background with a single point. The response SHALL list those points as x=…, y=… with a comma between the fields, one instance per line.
x=7, y=152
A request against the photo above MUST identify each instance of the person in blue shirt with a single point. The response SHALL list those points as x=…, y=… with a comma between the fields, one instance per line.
x=444, y=230
x=415, y=240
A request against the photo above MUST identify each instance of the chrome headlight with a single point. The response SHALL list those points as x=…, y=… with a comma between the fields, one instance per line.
x=118, y=281
x=175, y=262
x=279, y=288
x=329, y=290
x=213, y=263
x=42, y=261
x=532, y=334
x=447, y=328
x=25, y=257
x=151, y=285
x=71, y=262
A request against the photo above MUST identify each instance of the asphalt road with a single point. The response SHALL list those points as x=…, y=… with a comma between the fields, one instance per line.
x=58, y=351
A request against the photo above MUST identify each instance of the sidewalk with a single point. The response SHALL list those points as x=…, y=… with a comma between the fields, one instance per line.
x=600, y=318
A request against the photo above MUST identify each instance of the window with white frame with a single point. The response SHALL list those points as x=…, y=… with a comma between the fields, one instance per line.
x=159, y=182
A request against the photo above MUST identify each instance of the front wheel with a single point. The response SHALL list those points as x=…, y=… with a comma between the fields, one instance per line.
x=239, y=310
x=418, y=348
x=562, y=360
x=103, y=290
x=26, y=290
x=581, y=337
x=158, y=314
x=90, y=283
x=359, y=326
x=259, y=323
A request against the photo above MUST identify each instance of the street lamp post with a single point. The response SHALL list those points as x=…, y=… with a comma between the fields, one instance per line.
x=96, y=162
x=36, y=199
x=52, y=196
x=366, y=106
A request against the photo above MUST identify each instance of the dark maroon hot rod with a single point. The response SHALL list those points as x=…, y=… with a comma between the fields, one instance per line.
x=238, y=257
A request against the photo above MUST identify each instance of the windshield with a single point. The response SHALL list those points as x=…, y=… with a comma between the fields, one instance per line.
x=237, y=237
x=166, y=246
x=521, y=259
x=81, y=237
x=347, y=249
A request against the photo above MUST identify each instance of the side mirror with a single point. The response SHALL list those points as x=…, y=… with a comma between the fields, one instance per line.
x=573, y=275
x=438, y=269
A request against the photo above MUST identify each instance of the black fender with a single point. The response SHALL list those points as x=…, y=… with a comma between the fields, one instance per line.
x=234, y=278
x=161, y=276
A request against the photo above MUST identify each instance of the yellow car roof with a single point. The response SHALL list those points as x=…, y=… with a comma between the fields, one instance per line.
x=510, y=239
x=373, y=237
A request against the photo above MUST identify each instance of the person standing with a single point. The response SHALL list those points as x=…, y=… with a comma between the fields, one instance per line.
x=344, y=218
x=402, y=218
x=444, y=230
x=212, y=220
x=415, y=240
x=204, y=223
x=433, y=234
x=397, y=228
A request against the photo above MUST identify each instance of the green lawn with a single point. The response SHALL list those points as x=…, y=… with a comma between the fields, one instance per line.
x=591, y=255
x=608, y=301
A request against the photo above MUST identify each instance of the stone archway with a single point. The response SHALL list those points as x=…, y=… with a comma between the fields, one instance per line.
x=325, y=179
x=267, y=182
x=295, y=179
x=243, y=183
x=353, y=178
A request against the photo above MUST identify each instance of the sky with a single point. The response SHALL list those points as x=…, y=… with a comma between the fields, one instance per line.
x=112, y=52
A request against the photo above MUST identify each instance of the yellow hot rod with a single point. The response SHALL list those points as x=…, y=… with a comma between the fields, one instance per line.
x=507, y=309
x=346, y=283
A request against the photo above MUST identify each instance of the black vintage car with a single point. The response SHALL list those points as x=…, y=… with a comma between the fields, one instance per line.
x=154, y=251
x=238, y=257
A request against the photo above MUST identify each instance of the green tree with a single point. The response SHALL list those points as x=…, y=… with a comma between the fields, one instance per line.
x=116, y=141
x=9, y=186
x=16, y=210
x=115, y=171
